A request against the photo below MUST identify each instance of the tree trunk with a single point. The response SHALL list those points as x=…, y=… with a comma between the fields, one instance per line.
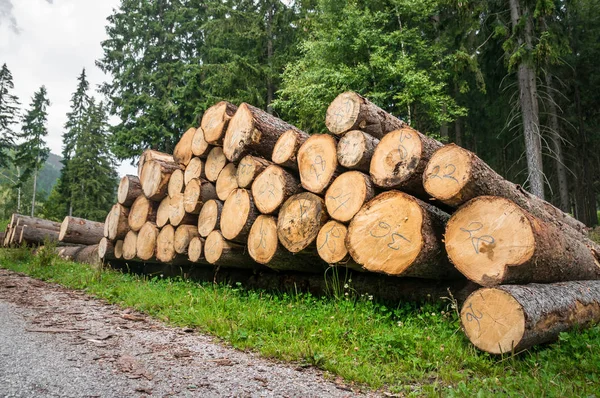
x=200, y=147
x=36, y=236
x=512, y=318
x=177, y=213
x=19, y=219
x=317, y=163
x=35, y=173
x=195, y=169
x=249, y=168
x=155, y=178
x=87, y=255
x=493, y=241
x=347, y=194
x=400, y=159
x=397, y=234
x=163, y=212
x=215, y=162
x=129, y=189
x=106, y=250
x=196, y=193
x=263, y=247
x=238, y=215
x=149, y=155
x=69, y=252
x=227, y=181
x=215, y=121
x=285, y=152
x=272, y=187
x=526, y=78
x=119, y=249
x=300, y=220
x=176, y=183
x=117, y=222
x=331, y=245
x=130, y=245
x=221, y=252
x=142, y=211
x=355, y=150
x=209, y=218
x=455, y=175
x=252, y=130
x=81, y=231
x=350, y=111
x=146, y=242
x=182, y=153
x=183, y=235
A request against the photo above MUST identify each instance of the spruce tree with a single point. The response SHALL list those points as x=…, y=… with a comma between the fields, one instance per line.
x=9, y=114
x=32, y=152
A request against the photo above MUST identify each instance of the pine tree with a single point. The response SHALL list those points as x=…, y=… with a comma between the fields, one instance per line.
x=32, y=152
x=76, y=120
x=9, y=114
x=93, y=176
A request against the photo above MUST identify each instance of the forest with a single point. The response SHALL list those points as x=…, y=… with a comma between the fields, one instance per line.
x=515, y=81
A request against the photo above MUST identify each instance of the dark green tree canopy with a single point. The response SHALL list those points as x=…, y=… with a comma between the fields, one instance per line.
x=9, y=114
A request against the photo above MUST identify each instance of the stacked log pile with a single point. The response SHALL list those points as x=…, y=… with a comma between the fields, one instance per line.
x=246, y=190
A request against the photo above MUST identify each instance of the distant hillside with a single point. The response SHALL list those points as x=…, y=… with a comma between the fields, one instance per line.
x=47, y=178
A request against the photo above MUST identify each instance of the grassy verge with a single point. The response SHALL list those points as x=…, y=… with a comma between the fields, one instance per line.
x=407, y=349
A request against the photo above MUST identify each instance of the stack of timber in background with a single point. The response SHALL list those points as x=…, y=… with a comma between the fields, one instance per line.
x=249, y=193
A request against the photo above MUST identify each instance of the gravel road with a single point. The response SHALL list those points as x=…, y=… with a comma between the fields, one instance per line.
x=55, y=342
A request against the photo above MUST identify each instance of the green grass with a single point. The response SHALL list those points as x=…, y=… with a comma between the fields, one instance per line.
x=407, y=349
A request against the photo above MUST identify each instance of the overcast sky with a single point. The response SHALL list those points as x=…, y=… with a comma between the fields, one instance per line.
x=49, y=42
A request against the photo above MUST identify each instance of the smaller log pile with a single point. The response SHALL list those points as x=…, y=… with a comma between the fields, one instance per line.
x=247, y=191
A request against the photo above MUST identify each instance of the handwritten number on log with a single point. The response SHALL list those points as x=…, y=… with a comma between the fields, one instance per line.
x=318, y=166
x=383, y=230
x=341, y=198
x=267, y=187
x=262, y=243
x=335, y=232
x=471, y=315
x=476, y=240
x=449, y=171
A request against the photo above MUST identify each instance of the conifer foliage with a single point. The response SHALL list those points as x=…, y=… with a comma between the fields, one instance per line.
x=9, y=114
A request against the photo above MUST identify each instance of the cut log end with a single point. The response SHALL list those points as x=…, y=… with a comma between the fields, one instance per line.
x=237, y=214
x=272, y=187
x=480, y=317
x=215, y=162
x=343, y=112
x=248, y=168
x=200, y=147
x=117, y=224
x=183, y=235
x=195, y=169
x=488, y=235
x=163, y=212
x=182, y=153
x=129, y=189
x=209, y=217
x=300, y=220
x=214, y=246
x=331, y=242
x=215, y=121
x=239, y=133
x=176, y=183
x=119, y=249
x=347, y=194
x=286, y=148
x=317, y=162
x=141, y=211
x=227, y=181
x=155, y=178
x=447, y=173
x=355, y=150
x=146, y=241
x=396, y=158
x=195, y=249
x=129, y=250
x=262, y=240
x=165, y=249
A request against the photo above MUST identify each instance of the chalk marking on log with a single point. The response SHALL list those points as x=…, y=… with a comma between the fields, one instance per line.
x=475, y=240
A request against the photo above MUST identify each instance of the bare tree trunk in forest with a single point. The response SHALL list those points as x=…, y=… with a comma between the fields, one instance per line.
x=458, y=139
x=18, y=190
x=270, y=88
x=526, y=77
x=34, y=189
x=556, y=140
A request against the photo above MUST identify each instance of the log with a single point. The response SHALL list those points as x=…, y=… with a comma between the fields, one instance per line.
x=215, y=162
x=195, y=169
x=177, y=213
x=200, y=147
x=493, y=241
x=176, y=183
x=36, y=236
x=216, y=120
x=331, y=242
x=272, y=187
x=81, y=231
x=106, y=222
x=119, y=249
x=227, y=181
x=34, y=222
x=397, y=234
x=221, y=252
x=300, y=219
x=163, y=212
x=351, y=111
x=117, y=222
x=237, y=216
x=253, y=131
x=141, y=211
x=513, y=318
x=317, y=163
x=182, y=153
x=146, y=242
x=69, y=252
x=106, y=250
x=400, y=159
x=88, y=255
x=194, y=251
x=455, y=175
x=183, y=235
x=149, y=155
x=129, y=189
x=249, y=168
x=355, y=150
x=130, y=245
x=165, y=244
x=196, y=193
x=285, y=152
x=209, y=218
x=263, y=247
x=155, y=178
x=347, y=194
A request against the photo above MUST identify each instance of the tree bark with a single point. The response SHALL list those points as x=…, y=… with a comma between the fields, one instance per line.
x=81, y=231
x=36, y=236
x=227, y=181
x=350, y=111
x=300, y=220
x=215, y=121
x=200, y=147
x=493, y=241
x=141, y=211
x=285, y=152
x=249, y=168
x=238, y=215
x=272, y=187
x=215, y=162
x=129, y=189
x=317, y=163
x=209, y=218
x=513, y=318
x=347, y=194
x=400, y=235
x=182, y=153
x=355, y=150
x=253, y=131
